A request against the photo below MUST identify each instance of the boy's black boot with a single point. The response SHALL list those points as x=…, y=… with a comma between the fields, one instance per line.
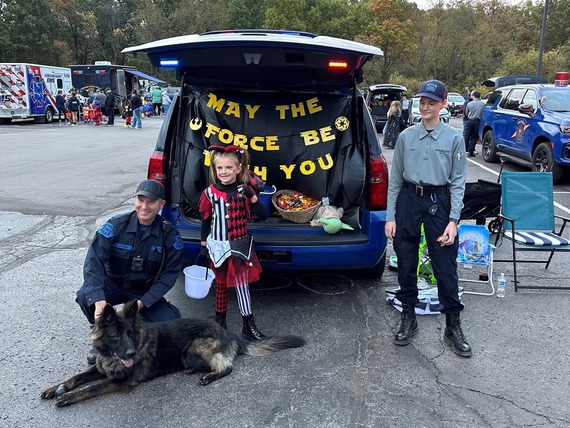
x=220, y=318
x=408, y=326
x=453, y=335
x=250, y=330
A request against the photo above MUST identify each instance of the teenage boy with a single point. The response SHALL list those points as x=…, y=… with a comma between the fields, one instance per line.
x=427, y=183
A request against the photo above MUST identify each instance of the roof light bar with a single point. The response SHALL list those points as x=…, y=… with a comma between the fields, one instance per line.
x=169, y=62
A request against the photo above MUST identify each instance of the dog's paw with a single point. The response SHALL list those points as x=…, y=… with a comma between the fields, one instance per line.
x=206, y=380
x=190, y=371
x=49, y=393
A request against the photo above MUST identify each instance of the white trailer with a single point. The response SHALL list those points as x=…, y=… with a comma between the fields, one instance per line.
x=29, y=90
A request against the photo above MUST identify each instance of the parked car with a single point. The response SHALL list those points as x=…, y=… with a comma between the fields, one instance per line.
x=378, y=100
x=290, y=99
x=530, y=124
x=455, y=104
x=416, y=117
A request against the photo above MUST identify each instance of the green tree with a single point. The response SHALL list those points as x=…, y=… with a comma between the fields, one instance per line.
x=391, y=30
x=28, y=31
x=243, y=14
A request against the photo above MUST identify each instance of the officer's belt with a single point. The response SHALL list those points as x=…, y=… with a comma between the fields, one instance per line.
x=425, y=190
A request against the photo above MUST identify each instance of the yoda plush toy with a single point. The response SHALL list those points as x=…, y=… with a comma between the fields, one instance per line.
x=329, y=217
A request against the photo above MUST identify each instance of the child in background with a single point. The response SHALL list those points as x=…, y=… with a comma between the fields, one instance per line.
x=147, y=108
x=85, y=114
x=128, y=115
x=225, y=207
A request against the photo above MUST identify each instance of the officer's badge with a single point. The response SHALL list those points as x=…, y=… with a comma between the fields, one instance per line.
x=178, y=244
x=106, y=230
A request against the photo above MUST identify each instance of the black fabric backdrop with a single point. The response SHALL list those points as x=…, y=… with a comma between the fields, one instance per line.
x=216, y=118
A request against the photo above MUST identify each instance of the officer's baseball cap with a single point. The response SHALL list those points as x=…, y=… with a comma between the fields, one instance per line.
x=151, y=189
x=433, y=89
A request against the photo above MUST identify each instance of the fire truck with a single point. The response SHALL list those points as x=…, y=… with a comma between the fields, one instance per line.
x=29, y=90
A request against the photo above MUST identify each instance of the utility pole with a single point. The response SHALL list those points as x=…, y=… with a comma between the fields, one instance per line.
x=542, y=34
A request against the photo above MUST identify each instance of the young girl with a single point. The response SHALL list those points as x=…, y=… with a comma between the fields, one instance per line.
x=394, y=125
x=225, y=207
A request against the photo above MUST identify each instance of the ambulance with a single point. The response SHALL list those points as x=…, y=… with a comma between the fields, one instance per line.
x=29, y=91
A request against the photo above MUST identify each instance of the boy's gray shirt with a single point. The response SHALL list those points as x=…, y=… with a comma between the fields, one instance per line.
x=416, y=150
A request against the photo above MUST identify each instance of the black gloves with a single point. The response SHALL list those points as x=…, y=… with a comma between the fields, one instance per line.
x=203, y=251
x=256, y=184
x=248, y=191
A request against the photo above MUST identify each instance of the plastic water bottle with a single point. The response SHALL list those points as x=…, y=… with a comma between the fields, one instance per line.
x=501, y=284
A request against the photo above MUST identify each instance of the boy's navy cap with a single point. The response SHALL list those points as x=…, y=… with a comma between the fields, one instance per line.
x=433, y=89
x=151, y=189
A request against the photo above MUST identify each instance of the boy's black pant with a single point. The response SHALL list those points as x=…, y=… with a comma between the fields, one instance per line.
x=411, y=211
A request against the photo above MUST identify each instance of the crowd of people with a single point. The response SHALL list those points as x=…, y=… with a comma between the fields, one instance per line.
x=99, y=107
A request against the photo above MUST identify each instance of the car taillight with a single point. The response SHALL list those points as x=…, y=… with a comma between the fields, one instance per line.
x=157, y=167
x=378, y=183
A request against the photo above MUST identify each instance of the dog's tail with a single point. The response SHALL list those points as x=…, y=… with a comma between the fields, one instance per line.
x=269, y=345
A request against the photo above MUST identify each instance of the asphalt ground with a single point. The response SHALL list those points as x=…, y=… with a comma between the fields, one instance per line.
x=59, y=185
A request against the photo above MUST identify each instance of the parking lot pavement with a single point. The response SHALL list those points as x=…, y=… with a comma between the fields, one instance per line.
x=350, y=374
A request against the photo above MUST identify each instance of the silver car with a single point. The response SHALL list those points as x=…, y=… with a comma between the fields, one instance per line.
x=416, y=117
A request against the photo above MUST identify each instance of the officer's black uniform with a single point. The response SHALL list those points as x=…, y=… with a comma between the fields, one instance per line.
x=122, y=264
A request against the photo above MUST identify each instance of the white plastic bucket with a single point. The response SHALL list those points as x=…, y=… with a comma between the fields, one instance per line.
x=198, y=280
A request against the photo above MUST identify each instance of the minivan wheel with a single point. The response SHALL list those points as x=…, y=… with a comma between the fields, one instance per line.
x=489, y=149
x=375, y=272
x=543, y=161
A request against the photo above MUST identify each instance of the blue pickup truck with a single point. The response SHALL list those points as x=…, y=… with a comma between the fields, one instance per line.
x=530, y=125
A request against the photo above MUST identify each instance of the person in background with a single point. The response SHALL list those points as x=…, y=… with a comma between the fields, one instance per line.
x=427, y=184
x=165, y=102
x=100, y=96
x=60, y=105
x=156, y=101
x=225, y=207
x=394, y=125
x=74, y=107
x=109, y=106
x=133, y=256
x=474, y=113
x=136, y=103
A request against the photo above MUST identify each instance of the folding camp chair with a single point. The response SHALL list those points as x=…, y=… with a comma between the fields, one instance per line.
x=528, y=219
x=474, y=251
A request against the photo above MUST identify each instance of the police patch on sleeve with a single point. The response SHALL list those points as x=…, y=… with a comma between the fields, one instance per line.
x=178, y=244
x=106, y=230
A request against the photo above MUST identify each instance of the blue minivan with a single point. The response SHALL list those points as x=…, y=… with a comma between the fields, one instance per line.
x=291, y=99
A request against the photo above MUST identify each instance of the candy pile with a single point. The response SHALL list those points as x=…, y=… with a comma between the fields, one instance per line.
x=295, y=202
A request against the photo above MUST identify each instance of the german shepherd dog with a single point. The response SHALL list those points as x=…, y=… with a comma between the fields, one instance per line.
x=131, y=351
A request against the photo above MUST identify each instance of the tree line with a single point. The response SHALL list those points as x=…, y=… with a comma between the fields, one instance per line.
x=461, y=42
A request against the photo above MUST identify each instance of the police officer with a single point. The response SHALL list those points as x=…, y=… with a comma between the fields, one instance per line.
x=427, y=183
x=134, y=256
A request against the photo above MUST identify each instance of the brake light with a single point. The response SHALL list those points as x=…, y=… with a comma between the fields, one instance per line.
x=378, y=183
x=157, y=167
x=338, y=64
